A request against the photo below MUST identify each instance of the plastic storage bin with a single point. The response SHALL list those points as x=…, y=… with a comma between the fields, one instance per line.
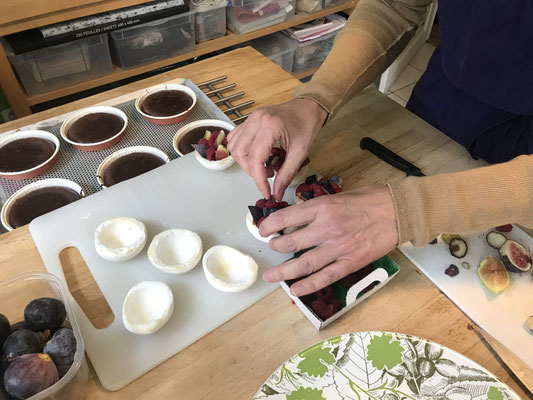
x=309, y=6
x=312, y=54
x=153, y=41
x=210, y=19
x=15, y=294
x=277, y=47
x=249, y=15
x=63, y=65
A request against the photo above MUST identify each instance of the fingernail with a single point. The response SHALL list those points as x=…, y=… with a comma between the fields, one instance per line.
x=296, y=290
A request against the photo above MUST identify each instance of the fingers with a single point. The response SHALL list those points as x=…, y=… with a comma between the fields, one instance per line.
x=287, y=172
x=257, y=157
x=306, y=264
x=293, y=216
x=324, y=277
x=301, y=239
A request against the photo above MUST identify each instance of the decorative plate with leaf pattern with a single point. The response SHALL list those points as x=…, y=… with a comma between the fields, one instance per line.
x=381, y=366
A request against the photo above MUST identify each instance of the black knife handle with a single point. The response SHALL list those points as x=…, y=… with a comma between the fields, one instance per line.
x=389, y=157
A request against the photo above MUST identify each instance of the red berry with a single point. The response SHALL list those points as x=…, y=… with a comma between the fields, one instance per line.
x=271, y=204
x=504, y=228
x=203, y=141
x=317, y=190
x=302, y=187
x=270, y=172
x=260, y=203
x=336, y=188
x=211, y=154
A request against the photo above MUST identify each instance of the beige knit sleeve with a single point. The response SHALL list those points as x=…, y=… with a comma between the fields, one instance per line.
x=374, y=35
x=464, y=202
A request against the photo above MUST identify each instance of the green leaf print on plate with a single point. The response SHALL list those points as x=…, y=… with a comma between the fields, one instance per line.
x=385, y=351
x=306, y=394
x=381, y=366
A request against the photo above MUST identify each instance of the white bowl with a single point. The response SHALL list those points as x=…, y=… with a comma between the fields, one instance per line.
x=119, y=239
x=123, y=152
x=254, y=230
x=147, y=307
x=175, y=251
x=104, y=144
x=38, y=169
x=180, y=134
x=215, y=165
x=32, y=187
x=229, y=270
x=171, y=119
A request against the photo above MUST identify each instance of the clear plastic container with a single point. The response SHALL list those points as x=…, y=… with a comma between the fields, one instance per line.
x=312, y=54
x=210, y=19
x=153, y=41
x=15, y=294
x=63, y=65
x=249, y=15
x=277, y=47
x=309, y=6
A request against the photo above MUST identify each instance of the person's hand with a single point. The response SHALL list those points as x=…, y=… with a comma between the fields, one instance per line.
x=349, y=229
x=294, y=124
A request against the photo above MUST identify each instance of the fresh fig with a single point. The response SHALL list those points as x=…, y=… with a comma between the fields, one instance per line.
x=5, y=329
x=515, y=256
x=30, y=374
x=45, y=313
x=62, y=348
x=458, y=247
x=493, y=274
x=496, y=239
x=22, y=342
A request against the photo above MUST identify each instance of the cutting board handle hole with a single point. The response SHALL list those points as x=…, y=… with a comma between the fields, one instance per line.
x=84, y=288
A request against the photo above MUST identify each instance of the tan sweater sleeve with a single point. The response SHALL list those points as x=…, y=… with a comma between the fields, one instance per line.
x=374, y=35
x=464, y=202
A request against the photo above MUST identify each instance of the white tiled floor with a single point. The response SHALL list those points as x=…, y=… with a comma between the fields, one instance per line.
x=401, y=89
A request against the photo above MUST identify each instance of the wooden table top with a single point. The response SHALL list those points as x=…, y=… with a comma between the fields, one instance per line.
x=233, y=361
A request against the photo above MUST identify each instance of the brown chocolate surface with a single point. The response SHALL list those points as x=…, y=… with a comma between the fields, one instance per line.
x=22, y=154
x=129, y=166
x=95, y=127
x=166, y=103
x=39, y=202
x=193, y=136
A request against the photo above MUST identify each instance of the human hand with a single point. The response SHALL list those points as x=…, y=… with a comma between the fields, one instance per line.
x=349, y=229
x=294, y=124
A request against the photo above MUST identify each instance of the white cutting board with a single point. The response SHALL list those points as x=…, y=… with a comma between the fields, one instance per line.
x=180, y=194
x=502, y=315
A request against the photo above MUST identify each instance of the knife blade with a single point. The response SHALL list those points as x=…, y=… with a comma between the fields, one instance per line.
x=390, y=157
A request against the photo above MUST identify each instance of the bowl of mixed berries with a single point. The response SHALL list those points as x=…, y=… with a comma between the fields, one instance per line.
x=259, y=212
x=316, y=186
x=275, y=162
x=208, y=139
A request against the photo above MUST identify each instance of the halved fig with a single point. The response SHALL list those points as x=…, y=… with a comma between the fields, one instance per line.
x=493, y=274
x=496, y=239
x=458, y=248
x=515, y=256
x=447, y=237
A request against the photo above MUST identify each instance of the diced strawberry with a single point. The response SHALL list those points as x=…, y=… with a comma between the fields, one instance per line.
x=211, y=153
x=303, y=188
x=269, y=172
x=203, y=141
x=504, y=228
x=260, y=220
x=260, y=203
x=336, y=188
